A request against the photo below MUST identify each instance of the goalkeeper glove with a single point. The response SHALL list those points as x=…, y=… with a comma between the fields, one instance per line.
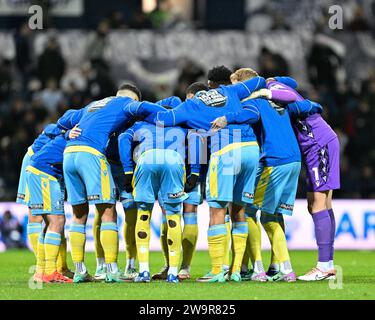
x=128, y=182
x=191, y=182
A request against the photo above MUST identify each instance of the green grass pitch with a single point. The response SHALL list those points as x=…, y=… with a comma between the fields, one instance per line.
x=357, y=269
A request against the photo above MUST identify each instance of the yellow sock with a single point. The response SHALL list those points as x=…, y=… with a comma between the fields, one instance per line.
x=240, y=233
x=33, y=231
x=52, y=243
x=254, y=239
x=77, y=239
x=189, y=237
x=163, y=239
x=227, y=241
x=109, y=240
x=40, y=258
x=62, y=264
x=142, y=231
x=246, y=257
x=216, y=246
x=277, y=238
x=129, y=233
x=174, y=239
x=99, y=252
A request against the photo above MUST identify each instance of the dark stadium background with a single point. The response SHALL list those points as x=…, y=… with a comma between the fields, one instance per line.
x=44, y=72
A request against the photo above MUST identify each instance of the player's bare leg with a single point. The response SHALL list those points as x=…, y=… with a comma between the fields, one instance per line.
x=52, y=242
x=324, y=233
x=216, y=244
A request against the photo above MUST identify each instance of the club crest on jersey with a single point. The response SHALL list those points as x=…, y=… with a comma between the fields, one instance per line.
x=176, y=195
x=212, y=98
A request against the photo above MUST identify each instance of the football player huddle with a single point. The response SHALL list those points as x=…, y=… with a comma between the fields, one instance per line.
x=237, y=141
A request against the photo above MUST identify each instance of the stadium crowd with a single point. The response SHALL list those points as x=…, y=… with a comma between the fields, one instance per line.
x=34, y=91
x=31, y=95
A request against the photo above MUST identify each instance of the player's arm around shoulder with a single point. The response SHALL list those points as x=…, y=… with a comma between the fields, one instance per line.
x=304, y=108
x=173, y=117
x=246, y=88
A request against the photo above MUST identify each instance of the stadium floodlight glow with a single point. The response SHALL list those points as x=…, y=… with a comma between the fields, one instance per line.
x=149, y=5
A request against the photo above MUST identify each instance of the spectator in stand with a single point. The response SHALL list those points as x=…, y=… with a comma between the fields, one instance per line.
x=11, y=231
x=5, y=80
x=272, y=63
x=51, y=97
x=24, y=55
x=97, y=43
x=51, y=64
x=359, y=21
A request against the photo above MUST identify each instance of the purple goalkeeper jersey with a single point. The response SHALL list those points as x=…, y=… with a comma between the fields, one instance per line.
x=310, y=131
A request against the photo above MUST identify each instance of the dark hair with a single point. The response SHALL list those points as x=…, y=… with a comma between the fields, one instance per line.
x=219, y=75
x=132, y=88
x=196, y=87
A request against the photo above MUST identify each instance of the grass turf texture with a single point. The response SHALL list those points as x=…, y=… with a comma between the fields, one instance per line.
x=357, y=266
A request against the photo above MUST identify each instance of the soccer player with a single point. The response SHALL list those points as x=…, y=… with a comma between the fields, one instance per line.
x=34, y=226
x=44, y=178
x=89, y=179
x=267, y=132
x=190, y=205
x=232, y=167
x=160, y=172
x=130, y=211
x=217, y=76
x=320, y=148
x=277, y=176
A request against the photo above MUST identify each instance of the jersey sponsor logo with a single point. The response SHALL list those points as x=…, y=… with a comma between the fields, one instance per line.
x=21, y=196
x=93, y=197
x=286, y=206
x=212, y=98
x=100, y=104
x=36, y=206
x=176, y=195
x=248, y=195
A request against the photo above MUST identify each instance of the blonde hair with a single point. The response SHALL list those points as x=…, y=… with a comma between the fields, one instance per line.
x=243, y=74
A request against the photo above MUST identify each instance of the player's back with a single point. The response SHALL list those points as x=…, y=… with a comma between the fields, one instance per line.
x=206, y=106
x=149, y=136
x=275, y=133
x=102, y=118
x=49, y=158
x=49, y=132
